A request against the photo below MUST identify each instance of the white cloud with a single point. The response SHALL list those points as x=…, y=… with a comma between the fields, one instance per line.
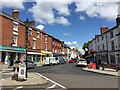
x=12, y=4
x=44, y=12
x=98, y=9
x=82, y=17
x=74, y=42
x=66, y=34
x=41, y=27
x=68, y=43
x=62, y=20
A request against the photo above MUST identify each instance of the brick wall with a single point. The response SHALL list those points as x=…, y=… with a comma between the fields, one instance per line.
x=49, y=44
x=43, y=41
x=7, y=34
x=21, y=36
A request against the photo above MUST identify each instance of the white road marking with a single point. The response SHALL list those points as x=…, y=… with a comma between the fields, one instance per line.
x=18, y=87
x=53, y=86
x=2, y=79
x=52, y=81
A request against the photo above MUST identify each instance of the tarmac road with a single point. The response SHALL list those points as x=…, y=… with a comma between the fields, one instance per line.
x=71, y=76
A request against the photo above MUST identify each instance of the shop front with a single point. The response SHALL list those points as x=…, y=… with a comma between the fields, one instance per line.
x=45, y=54
x=8, y=55
x=34, y=56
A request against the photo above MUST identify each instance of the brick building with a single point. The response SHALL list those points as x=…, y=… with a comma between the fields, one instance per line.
x=12, y=46
x=13, y=42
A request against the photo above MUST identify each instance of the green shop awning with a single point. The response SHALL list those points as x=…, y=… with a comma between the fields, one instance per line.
x=12, y=49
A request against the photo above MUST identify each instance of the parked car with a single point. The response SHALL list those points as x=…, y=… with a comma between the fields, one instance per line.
x=61, y=60
x=81, y=62
x=71, y=60
x=30, y=64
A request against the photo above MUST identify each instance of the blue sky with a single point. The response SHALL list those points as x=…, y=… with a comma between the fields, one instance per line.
x=72, y=22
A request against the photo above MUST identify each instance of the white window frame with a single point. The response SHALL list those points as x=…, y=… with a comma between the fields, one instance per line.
x=38, y=34
x=46, y=47
x=34, y=43
x=15, y=24
x=30, y=31
x=15, y=40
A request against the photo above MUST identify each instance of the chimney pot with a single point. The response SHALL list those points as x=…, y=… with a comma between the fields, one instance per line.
x=118, y=20
x=15, y=13
x=103, y=29
x=32, y=23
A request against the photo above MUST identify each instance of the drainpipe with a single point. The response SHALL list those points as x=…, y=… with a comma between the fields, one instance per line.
x=41, y=49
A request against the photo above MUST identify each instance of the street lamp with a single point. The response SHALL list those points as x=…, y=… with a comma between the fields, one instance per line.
x=26, y=43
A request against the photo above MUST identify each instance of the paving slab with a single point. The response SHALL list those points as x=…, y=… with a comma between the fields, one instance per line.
x=33, y=79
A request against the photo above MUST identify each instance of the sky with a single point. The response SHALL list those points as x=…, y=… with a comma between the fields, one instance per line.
x=72, y=21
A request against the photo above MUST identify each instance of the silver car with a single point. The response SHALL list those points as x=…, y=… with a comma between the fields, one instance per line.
x=30, y=64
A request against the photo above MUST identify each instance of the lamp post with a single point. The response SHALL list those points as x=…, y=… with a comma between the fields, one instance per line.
x=26, y=43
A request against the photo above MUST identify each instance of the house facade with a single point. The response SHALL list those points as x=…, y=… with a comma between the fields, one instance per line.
x=105, y=48
x=13, y=41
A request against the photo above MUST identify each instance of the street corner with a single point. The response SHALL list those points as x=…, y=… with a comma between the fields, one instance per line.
x=32, y=79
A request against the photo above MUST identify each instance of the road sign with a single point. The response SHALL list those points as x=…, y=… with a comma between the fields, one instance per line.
x=22, y=70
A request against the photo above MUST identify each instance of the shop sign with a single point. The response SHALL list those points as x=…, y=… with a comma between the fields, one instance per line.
x=12, y=48
x=22, y=70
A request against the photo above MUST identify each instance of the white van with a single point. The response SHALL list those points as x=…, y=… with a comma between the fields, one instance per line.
x=46, y=61
x=50, y=60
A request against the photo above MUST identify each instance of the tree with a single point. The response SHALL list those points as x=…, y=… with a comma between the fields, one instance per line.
x=85, y=47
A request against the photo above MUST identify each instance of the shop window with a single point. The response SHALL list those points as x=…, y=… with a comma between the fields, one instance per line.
x=29, y=57
x=112, y=59
x=37, y=58
x=118, y=58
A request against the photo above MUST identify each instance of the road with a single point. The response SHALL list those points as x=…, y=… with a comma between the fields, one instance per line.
x=71, y=76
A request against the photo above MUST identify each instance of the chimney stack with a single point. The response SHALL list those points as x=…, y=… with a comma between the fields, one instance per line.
x=32, y=23
x=97, y=36
x=118, y=20
x=15, y=13
x=103, y=29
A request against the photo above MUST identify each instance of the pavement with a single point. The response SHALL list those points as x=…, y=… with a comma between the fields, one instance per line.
x=33, y=78
x=106, y=71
